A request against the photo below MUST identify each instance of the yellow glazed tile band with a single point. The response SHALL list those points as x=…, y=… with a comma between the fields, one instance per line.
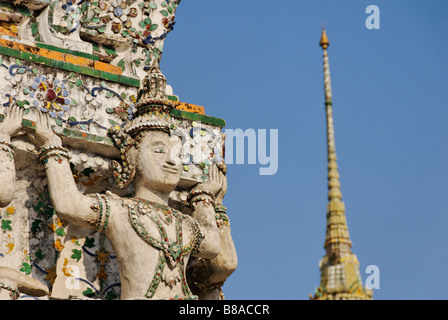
x=55, y=55
x=189, y=107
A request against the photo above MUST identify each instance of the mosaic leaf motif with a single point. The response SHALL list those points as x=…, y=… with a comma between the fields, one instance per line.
x=36, y=226
x=76, y=254
x=39, y=255
x=89, y=243
x=6, y=225
x=26, y=268
x=46, y=250
x=60, y=231
x=89, y=293
x=111, y=295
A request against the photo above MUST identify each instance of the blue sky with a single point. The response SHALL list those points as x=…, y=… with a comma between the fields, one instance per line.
x=257, y=64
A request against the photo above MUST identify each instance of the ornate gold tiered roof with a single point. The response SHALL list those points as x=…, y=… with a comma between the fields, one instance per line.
x=340, y=276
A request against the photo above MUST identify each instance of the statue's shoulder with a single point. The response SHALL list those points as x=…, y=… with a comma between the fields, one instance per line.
x=108, y=194
x=126, y=201
x=112, y=200
x=113, y=196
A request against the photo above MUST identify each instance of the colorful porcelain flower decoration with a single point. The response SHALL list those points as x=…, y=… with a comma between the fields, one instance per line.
x=50, y=96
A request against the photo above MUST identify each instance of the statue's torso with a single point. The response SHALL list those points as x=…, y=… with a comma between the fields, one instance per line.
x=153, y=244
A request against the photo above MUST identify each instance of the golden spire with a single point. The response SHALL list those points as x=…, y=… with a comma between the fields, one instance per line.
x=340, y=277
x=324, y=43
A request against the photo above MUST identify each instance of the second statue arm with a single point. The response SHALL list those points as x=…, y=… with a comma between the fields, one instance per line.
x=69, y=203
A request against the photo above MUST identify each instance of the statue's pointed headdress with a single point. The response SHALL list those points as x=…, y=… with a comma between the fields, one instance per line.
x=152, y=113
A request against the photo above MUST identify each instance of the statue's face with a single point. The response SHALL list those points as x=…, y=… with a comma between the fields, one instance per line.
x=160, y=165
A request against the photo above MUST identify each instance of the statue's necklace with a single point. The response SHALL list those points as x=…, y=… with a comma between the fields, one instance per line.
x=173, y=253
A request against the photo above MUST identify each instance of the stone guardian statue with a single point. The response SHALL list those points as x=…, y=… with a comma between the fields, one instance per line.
x=153, y=242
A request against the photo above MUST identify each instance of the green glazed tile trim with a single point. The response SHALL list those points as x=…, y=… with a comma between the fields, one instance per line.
x=172, y=98
x=68, y=132
x=212, y=120
x=83, y=54
x=129, y=81
x=27, y=56
x=105, y=139
x=95, y=138
x=68, y=51
x=111, y=76
x=63, y=65
x=49, y=47
x=198, y=117
x=82, y=135
x=27, y=123
x=10, y=52
x=69, y=66
x=91, y=72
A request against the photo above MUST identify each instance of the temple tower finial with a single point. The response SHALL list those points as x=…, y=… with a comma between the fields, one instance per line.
x=324, y=43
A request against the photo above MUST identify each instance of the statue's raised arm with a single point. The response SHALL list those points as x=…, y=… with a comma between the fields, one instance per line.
x=11, y=124
x=207, y=276
x=68, y=201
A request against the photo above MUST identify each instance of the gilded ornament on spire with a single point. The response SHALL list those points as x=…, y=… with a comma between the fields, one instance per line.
x=324, y=43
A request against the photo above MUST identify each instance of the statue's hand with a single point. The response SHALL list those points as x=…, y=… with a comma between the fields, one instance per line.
x=11, y=123
x=44, y=135
x=222, y=192
x=213, y=184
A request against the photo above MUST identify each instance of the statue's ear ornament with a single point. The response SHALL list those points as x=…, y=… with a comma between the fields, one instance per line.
x=124, y=172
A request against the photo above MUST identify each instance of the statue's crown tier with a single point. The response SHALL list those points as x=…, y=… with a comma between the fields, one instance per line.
x=152, y=108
